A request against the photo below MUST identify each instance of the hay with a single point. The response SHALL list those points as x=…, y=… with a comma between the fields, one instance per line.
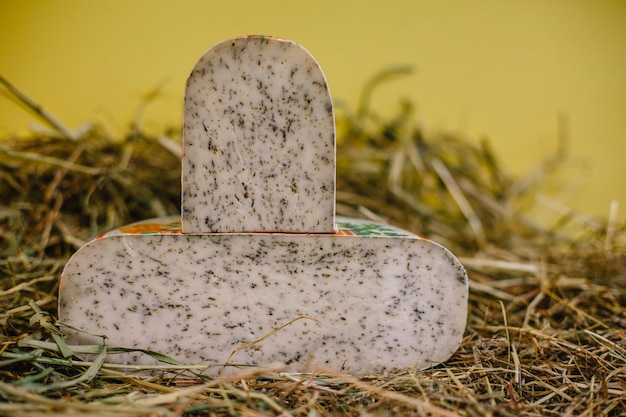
x=545, y=333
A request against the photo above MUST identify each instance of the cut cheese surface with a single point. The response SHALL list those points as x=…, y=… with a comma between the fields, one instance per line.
x=258, y=141
x=367, y=303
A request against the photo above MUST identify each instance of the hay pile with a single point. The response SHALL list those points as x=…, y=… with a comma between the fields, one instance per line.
x=545, y=334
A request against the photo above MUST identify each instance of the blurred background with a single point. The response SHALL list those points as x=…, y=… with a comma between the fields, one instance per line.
x=521, y=74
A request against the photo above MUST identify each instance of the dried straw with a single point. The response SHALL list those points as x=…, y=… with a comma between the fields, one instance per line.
x=545, y=333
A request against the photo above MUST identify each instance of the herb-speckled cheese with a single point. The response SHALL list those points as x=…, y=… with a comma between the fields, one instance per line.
x=258, y=270
x=371, y=303
x=259, y=141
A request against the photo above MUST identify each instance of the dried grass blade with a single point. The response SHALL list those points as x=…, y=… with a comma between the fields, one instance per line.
x=392, y=395
x=482, y=264
x=269, y=334
x=37, y=109
x=30, y=404
x=456, y=192
x=24, y=285
x=49, y=160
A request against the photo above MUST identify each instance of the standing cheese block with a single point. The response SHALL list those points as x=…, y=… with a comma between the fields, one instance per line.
x=258, y=141
x=258, y=270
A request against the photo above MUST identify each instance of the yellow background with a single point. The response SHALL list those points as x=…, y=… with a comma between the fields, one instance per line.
x=499, y=69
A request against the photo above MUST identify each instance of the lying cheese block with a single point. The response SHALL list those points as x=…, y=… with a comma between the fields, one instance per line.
x=258, y=141
x=368, y=298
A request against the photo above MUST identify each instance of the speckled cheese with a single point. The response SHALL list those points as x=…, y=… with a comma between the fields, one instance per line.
x=259, y=141
x=367, y=303
x=258, y=252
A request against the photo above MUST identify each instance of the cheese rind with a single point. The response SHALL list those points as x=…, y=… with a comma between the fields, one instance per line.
x=369, y=303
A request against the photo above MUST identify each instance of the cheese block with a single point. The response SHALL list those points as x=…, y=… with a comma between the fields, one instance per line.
x=368, y=298
x=258, y=141
x=258, y=270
